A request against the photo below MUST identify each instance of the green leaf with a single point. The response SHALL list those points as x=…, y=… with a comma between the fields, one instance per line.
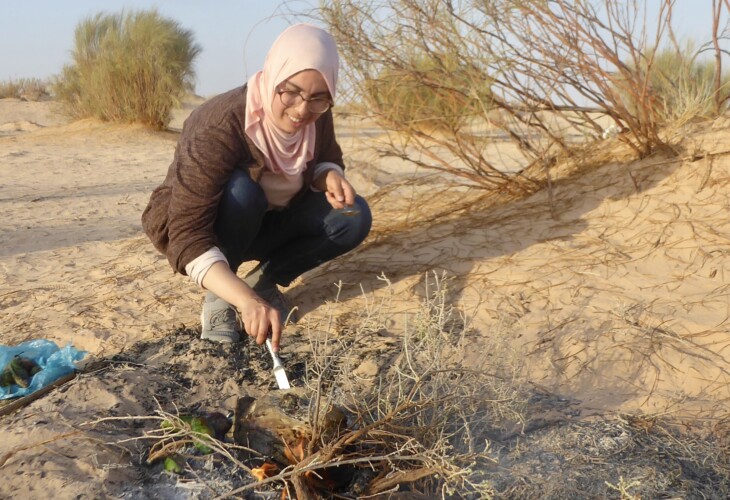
x=172, y=465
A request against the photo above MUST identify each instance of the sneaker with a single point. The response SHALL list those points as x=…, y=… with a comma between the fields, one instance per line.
x=277, y=300
x=219, y=321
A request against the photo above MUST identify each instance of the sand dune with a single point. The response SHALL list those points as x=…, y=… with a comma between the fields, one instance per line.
x=615, y=297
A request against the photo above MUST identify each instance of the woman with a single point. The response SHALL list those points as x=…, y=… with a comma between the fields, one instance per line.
x=258, y=175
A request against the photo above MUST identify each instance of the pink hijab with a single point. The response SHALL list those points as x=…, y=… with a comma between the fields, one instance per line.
x=299, y=47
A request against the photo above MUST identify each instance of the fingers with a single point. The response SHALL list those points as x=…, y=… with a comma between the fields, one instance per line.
x=335, y=189
x=261, y=320
x=332, y=200
x=261, y=333
x=340, y=192
x=349, y=193
x=276, y=329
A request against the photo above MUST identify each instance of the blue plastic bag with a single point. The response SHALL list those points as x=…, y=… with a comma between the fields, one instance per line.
x=55, y=363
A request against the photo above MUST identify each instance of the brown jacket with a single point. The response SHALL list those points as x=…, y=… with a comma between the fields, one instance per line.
x=181, y=213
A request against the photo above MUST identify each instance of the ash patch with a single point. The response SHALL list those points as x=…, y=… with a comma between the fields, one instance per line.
x=185, y=365
x=182, y=374
x=554, y=453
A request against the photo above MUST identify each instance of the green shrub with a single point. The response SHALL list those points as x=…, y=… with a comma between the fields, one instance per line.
x=686, y=85
x=128, y=67
x=681, y=86
x=433, y=91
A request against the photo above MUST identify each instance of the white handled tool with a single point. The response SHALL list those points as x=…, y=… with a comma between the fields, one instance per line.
x=281, y=380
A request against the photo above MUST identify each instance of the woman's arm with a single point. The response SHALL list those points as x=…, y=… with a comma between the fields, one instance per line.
x=337, y=189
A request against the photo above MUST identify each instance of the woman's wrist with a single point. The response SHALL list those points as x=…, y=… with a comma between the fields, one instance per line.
x=320, y=181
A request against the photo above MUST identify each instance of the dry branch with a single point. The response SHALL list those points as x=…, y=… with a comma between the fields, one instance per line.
x=449, y=79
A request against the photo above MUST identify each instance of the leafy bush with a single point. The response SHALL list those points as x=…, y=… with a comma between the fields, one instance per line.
x=128, y=67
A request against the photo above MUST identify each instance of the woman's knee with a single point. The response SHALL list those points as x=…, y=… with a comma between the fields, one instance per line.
x=350, y=229
x=243, y=196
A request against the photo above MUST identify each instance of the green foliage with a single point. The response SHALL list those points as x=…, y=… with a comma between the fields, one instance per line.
x=197, y=425
x=172, y=464
x=431, y=91
x=128, y=67
x=681, y=86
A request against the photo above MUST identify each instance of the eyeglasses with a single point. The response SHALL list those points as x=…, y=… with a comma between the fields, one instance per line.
x=292, y=98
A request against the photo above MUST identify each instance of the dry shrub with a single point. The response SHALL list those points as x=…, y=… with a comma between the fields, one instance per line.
x=128, y=67
x=413, y=71
x=8, y=89
x=28, y=89
x=544, y=75
x=422, y=423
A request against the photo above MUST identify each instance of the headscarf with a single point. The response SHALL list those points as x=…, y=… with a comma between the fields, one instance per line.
x=299, y=47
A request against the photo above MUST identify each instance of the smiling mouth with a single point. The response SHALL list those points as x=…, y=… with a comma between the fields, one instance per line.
x=295, y=120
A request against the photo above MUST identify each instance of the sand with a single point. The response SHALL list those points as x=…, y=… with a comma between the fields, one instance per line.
x=615, y=296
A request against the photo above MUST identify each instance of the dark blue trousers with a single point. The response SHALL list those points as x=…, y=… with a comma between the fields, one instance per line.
x=289, y=242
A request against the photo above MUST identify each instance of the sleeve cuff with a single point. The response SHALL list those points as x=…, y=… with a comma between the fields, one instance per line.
x=323, y=167
x=198, y=267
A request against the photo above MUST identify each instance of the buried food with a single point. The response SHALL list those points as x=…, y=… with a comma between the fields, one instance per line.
x=19, y=371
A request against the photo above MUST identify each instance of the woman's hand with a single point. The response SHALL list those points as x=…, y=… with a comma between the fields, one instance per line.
x=259, y=318
x=337, y=189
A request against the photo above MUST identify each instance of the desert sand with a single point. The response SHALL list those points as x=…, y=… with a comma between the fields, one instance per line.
x=613, y=297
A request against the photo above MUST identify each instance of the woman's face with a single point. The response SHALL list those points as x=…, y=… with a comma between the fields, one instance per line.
x=309, y=83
